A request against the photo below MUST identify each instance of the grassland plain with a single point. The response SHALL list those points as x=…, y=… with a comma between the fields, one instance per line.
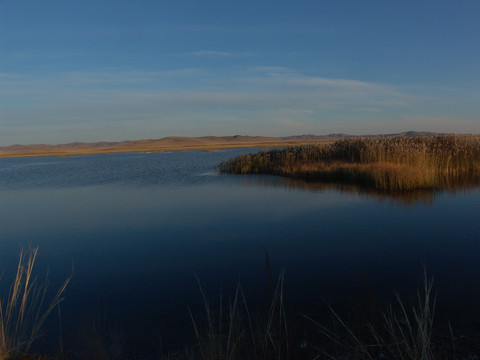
x=157, y=145
x=390, y=164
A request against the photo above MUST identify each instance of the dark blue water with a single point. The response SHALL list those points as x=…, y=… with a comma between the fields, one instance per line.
x=139, y=228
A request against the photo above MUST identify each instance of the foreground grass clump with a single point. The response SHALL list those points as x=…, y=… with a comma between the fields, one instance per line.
x=24, y=311
x=388, y=164
x=235, y=333
x=400, y=332
x=365, y=331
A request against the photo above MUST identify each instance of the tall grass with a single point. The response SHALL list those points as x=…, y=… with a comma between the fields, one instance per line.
x=401, y=332
x=389, y=164
x=235, y=333
x=24, y=310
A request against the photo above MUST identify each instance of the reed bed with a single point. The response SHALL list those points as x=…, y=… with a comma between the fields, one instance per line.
x=386, y=163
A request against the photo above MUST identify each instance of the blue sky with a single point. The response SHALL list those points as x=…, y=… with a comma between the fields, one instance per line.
x=115, y=70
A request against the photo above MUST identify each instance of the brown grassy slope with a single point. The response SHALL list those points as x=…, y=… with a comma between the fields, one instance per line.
x=164, y=144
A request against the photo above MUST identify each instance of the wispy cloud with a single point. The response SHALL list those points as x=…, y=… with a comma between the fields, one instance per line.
x=6, y=76
x=371, y=110
x=221, y=54
x=190, y=101
x=30, y=54
x=126, y=77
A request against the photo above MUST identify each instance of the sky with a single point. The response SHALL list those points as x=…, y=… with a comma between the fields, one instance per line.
x=112, y=70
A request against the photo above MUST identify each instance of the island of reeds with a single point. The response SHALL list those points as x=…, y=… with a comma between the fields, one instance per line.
x=389, y=164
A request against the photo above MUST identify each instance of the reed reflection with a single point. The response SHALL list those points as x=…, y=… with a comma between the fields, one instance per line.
x=406, y=198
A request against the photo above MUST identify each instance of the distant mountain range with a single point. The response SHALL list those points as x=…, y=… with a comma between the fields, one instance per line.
x=180, y=143
x=342, y=135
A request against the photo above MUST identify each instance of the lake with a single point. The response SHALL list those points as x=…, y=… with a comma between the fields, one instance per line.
x=138, y=229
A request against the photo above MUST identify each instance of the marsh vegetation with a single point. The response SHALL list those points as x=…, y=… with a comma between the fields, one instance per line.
x=386, y=164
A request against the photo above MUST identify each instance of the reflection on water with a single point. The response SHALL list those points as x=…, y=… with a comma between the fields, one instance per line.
x=426, y=197
x=406, y=198
x=138, y=228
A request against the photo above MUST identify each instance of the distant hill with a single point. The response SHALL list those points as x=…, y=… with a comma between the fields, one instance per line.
x=317, y=137
x=343, y=136
x=180, y=143
x=408, y=133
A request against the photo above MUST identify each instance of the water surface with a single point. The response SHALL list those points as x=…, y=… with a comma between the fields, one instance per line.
x=139, y=228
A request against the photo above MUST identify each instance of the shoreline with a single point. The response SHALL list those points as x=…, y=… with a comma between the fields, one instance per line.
x=178, y=143
x=160, y=145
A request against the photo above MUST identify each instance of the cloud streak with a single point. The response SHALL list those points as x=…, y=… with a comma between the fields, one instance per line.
x=221, y=54
x=113, y=105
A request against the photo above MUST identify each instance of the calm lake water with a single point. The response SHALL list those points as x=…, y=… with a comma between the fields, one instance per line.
x=139, y=228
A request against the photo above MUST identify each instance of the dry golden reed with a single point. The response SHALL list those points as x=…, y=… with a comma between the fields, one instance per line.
x=385, y=163
x=24, y=311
